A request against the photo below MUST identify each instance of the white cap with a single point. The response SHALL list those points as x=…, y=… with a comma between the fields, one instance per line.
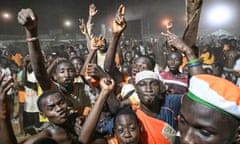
x=147, y=74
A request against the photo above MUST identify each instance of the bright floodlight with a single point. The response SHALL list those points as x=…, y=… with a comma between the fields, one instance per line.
x=68, y=23
x=220, y=14
x=6, y=15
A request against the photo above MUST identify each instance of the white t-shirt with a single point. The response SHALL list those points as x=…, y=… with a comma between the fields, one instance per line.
x=31, y=95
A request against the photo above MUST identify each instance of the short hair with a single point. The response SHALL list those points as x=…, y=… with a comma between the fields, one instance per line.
x=60, y=62
x=175, y=52
x=125, y=111
x=43, y=96
x=77, y=58
x=151, y=61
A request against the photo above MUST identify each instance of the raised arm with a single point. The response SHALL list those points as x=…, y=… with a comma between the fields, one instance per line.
x=92, y=12
x=28, y=19
x=194, y=64
x=95, y=44
x=84, y=31
x=119, y=25
x=6, y=131
x=193, y=12
x=90, y=124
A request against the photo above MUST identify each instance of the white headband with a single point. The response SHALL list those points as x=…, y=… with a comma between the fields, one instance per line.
x=146, y=74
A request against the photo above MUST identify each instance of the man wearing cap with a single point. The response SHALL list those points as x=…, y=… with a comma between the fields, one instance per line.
x=210, y=111
x=157, y=111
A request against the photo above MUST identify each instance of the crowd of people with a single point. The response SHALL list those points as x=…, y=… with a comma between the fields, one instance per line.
x=121, y=91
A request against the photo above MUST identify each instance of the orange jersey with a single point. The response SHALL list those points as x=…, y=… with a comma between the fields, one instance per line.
x=155, y=131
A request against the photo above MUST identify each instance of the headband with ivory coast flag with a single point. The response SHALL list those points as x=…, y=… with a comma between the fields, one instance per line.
x=216, y=93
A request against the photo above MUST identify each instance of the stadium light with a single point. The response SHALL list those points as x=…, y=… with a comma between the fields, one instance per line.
x=220, y=14
x=6, y=16
x=67, y=23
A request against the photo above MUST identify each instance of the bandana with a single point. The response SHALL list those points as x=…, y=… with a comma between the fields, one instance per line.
x=147, y=74
x=216, y=93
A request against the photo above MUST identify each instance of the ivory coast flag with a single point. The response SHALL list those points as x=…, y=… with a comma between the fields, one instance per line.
x=216, y=93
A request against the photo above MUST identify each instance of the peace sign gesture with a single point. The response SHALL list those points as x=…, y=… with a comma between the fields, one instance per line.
x=119, y=23
x=83, y=27
x=175, y=41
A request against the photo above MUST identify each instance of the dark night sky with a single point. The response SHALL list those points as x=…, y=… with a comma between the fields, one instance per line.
x=51, y=13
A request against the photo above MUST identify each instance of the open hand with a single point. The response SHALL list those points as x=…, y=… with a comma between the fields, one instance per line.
x=92, y=10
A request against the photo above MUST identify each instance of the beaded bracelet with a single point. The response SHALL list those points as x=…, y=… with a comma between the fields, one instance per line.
x=194, y=65
x=31, y=39
x=193, y=61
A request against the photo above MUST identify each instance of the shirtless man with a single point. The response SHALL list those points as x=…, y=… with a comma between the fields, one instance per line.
x=63, y=127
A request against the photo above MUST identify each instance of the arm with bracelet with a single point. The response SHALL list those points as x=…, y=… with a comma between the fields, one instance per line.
x=28, y=19
x=194, y=64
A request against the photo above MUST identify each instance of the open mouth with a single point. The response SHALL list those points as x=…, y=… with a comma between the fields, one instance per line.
x=63, y=114
x=148, y=99
x=172, y=67
x=68, y=80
